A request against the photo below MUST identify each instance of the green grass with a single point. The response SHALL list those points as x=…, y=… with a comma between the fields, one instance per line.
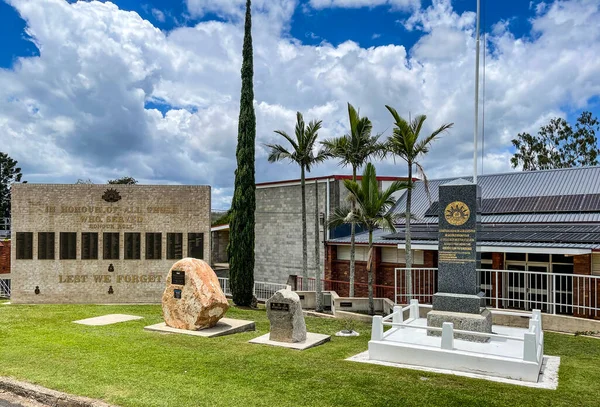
x=125, y=365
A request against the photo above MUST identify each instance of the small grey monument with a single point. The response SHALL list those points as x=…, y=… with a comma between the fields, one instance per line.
x=459, y=298
x=288, y=328
x=285, y=315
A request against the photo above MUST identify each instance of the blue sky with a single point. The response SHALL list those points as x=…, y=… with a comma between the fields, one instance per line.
x=367, y=26
x=150, y=89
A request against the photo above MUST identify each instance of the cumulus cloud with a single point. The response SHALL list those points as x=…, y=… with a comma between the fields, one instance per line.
x=395, y=4
x=85, y=107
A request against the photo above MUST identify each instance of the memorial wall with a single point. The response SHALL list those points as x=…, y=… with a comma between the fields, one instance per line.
x=103, y=243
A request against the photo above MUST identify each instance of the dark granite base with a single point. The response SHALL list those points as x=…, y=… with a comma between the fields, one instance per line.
x=465, y=303
x=467, y=322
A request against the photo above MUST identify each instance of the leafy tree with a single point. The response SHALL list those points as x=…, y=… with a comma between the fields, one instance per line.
x=558, y=145
x=372, y=210
x=88, y=181
x=9, y=174
x=302, y=153
x=406, y=144
x=223, y=219
x=241, y=228
x=354, y=149
x=123, y=180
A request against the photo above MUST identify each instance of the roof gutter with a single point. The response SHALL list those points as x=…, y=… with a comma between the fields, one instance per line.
x=508, y=249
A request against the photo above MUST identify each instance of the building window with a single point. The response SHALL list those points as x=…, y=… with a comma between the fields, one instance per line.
x=174, y=246
x=24, y=245
x=132, y=246
x=111, y=246
x=68, y=245
x=89, y=246
x=153, y=246
x=46, y=245
x=196, y=245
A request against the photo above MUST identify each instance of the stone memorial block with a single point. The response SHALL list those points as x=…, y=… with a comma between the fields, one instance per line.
x=458, y=220
x=193, y=298
x=459, y=298
x=285, y=315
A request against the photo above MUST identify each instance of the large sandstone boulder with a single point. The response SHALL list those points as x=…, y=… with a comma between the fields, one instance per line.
x=285, y=315
x=193, y=298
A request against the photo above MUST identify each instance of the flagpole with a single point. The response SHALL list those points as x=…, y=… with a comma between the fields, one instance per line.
x=475, y=135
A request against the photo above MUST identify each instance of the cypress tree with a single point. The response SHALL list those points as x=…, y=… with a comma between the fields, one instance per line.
x=241, y=227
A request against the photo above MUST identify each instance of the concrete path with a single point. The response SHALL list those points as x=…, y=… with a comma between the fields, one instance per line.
x=12, y=400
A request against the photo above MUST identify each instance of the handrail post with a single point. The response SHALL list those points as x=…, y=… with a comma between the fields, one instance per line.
x=377, y=328
x=414, y=309
x=397, y=316
x=537, y=320
x=496, y=287
x=553, y=294
x=448, y=335
x=396, y=286
x=530, y=347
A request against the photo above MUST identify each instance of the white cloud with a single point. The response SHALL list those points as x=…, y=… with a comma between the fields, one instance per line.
x=395, y=4
x=77, y=110
x=159, y=15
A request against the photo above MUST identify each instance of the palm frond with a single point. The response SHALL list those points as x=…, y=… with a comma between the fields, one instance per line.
x=423, y=176
x=341, y=216
x=278, y=153
x=288, y=138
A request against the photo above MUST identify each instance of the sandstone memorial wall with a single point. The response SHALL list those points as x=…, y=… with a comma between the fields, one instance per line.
x=103, y=243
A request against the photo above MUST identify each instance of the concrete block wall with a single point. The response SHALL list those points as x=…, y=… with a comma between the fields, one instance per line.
x=220, y=240
x=67, y=208
x=278, y=246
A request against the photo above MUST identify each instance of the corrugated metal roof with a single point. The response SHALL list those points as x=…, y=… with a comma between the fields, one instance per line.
x=524, y=218
x=363, y=238
x=571, y=181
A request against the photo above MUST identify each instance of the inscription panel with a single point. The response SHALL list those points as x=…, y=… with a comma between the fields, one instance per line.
x=178, y=277
x=280, y=306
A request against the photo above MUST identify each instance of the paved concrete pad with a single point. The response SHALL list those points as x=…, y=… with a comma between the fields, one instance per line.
x=226, y=326
x=107, y=319
x=312, y=340
x=548, y=378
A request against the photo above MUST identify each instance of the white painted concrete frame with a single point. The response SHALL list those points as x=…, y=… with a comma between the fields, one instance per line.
x=383, y=347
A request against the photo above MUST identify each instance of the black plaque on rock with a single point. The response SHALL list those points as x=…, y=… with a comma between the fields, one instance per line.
x=345, y=304
x=177, y=294
x=280, y=306
x=178, y=277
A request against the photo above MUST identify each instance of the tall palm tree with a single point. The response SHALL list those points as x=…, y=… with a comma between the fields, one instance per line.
x=354, y=149
x=406, y=144
x=372, y=210
x=301, y=153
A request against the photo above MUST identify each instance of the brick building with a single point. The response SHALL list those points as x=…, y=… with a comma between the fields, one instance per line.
x=4, y=256
x=539, y=230
x=278, y=247
x=103, y=243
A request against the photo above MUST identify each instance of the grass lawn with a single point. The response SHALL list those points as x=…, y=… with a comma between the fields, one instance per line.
x=125, y=365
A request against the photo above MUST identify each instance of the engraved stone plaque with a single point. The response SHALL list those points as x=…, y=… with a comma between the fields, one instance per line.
x=280, y=306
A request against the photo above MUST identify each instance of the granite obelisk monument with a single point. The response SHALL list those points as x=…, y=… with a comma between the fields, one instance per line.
x=459, y=298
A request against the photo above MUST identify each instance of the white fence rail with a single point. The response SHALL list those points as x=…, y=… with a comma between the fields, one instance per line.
x=4, y=288
x=262, y=290
x=556, y=293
